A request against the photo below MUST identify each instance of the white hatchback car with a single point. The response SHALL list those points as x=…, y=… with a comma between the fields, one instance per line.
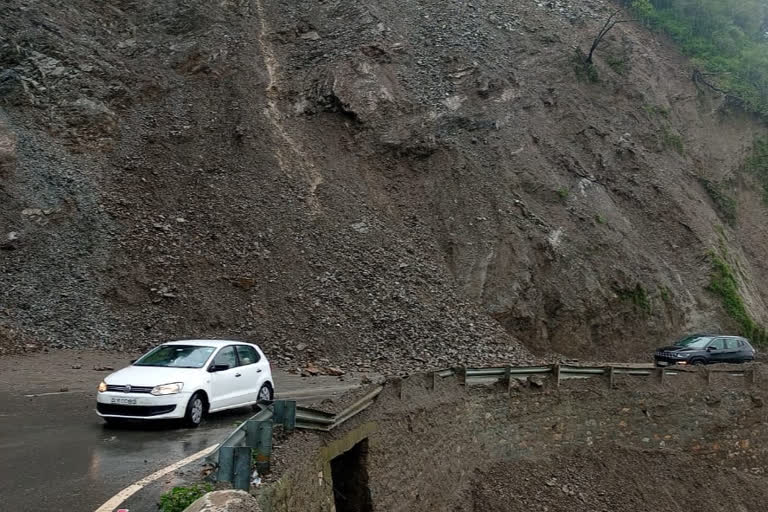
x=187, y=379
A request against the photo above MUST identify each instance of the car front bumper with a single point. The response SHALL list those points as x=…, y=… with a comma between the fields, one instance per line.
x=669, y=361
x=141, y=406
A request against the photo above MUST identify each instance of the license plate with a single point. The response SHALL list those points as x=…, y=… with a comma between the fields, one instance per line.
x=124, y=401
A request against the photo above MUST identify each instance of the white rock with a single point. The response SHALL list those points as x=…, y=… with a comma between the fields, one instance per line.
x=311, y=35
x=225, y=501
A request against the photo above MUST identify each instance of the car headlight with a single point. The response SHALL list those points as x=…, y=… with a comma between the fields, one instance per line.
x=102, y=386
x=168, y=389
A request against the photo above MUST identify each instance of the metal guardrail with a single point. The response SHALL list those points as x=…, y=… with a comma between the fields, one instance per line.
x=250, y=444
x=565, y=371
x=560, y=372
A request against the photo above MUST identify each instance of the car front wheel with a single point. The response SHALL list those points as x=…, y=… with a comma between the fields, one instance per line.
x=195, y=409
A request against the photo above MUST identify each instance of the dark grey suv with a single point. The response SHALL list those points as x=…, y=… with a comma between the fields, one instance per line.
x=706, y=349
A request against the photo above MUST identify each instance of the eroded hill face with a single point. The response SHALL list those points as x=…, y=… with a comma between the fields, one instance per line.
x=408, y=183
x=639, y=480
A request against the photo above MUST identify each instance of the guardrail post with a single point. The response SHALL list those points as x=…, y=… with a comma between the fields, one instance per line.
x=709, y=376
x=610, y=371
x=263, y=448
x=226, y=464
x=508, y=379
x=242, y=468
x=661, y=372
x=252, y=433
x=285, y=414
x=433, y=381
x=462, y=374
x=751, y=377
x=556, y=374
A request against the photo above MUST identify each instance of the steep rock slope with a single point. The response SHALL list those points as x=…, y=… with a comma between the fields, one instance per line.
x=401, y=183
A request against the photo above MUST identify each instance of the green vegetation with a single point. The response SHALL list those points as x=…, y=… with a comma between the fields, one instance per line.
x=720, y=230
x=563, y=193
x=725, y=204
x=724, y=38
x=664, y=293
x=179, y=498
x=723, y=284
x=599, y=219
x=672, y=140
x=757, y=164
x=637, y=296
x=585, y=71
x=656, y=110
x=620, y=65
x=727, y=41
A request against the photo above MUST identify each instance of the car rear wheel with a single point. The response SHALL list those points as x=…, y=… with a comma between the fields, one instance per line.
x=195, y=409
x=265, y=394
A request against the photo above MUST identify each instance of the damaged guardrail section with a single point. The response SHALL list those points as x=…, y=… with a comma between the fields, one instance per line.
x=250, y=445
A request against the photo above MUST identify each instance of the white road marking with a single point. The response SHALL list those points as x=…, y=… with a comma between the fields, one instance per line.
x=46, y=394
x=116, y=500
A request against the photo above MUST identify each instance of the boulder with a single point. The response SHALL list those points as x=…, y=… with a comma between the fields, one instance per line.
x=225, y=501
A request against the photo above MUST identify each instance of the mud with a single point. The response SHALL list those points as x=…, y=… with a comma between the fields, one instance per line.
x=615, y=479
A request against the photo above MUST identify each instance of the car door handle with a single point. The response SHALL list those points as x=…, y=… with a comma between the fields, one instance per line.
x=237, y=375
x=258, y=371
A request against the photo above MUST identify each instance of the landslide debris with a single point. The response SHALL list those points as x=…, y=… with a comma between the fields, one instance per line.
x=388, y=186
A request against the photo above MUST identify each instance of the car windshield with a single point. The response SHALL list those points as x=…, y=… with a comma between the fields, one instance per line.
x=176, y=356
x=693, y=341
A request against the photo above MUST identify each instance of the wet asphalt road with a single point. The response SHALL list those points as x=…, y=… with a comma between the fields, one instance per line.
x=57, y=454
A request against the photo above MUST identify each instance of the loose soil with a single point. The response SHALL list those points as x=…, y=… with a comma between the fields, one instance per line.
x=616, y=479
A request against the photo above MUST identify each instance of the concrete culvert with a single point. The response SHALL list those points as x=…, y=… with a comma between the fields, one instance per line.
x=349, y=472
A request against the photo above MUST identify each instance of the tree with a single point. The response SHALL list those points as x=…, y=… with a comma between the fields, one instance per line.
x=609, y=24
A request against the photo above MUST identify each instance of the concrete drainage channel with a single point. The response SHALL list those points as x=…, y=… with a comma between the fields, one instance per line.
x=249, y=447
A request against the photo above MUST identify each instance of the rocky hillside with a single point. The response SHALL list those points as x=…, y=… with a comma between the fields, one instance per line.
x=377, y=184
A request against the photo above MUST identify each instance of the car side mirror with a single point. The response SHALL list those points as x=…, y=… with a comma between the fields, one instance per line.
x=133, y=360
x=710, y=349
x=218, y=368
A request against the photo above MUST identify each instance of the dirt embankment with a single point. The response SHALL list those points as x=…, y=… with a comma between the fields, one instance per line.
x=396, y=185
x=615, y=479
x=675, y=445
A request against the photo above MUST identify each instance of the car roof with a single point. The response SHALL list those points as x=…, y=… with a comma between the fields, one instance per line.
x=713, y=335
x=206, y=343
